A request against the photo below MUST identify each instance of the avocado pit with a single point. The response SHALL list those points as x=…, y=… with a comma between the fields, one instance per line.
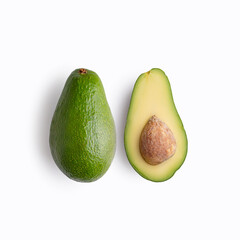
x=157, y=142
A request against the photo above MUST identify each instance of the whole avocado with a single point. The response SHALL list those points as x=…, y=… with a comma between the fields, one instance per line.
x=82, y=133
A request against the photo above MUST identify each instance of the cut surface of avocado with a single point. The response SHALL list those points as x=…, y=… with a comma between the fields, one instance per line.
x=160, y=153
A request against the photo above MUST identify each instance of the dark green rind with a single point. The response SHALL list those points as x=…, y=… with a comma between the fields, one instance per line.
x=82, y=134
x=161, y=179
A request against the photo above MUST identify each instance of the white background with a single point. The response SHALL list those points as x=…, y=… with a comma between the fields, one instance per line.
x=196, y=43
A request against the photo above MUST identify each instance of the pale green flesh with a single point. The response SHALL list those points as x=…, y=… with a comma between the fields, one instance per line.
x=152, y=96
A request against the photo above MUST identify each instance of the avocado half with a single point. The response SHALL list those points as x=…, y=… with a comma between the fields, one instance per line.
x=152, y=96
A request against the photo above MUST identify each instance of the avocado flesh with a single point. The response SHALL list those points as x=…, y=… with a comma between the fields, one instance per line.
x=82, y=133
x=152, y=95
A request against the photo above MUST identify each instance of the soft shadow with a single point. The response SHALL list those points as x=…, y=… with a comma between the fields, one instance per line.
x=49, y=103
x=122, y=117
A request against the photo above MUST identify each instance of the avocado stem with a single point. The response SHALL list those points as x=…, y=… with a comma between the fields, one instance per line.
x=82, y=71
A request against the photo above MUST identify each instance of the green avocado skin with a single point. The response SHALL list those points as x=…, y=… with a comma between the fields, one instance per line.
x=82, y=133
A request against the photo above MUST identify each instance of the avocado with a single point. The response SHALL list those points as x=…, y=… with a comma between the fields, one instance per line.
x=82, y=133
x=154, y=138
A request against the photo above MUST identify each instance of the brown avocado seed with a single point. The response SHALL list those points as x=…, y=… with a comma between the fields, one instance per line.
x=157, y=143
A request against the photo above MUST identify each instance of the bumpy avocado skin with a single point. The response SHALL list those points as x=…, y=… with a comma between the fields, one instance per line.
x=82, y=133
